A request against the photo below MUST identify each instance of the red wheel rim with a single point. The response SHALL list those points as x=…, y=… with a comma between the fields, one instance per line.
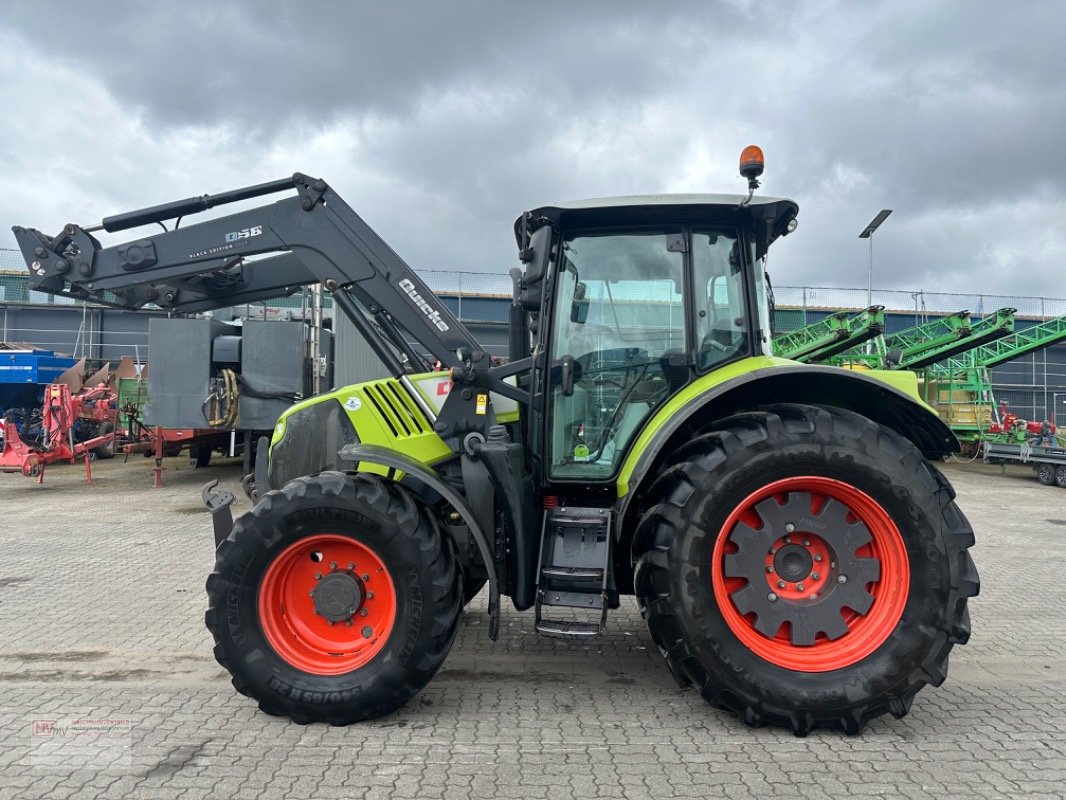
x=831, y=521
x=292, y=617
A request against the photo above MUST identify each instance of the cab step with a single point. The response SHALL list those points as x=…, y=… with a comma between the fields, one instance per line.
x=574, y=572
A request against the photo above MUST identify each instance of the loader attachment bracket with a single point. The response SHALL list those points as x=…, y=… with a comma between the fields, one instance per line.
x=218, y=503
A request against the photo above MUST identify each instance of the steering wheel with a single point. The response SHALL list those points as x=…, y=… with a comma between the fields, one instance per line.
x=612, y=359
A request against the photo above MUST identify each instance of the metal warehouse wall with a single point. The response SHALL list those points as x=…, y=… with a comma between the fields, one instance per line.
x=1034, y=386
x=354, y=361
x=106, y=334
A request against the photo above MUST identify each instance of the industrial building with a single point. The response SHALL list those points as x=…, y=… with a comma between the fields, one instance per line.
x=1033, y=385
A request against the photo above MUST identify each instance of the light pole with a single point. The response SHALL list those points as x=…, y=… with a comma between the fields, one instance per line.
x=868, y=233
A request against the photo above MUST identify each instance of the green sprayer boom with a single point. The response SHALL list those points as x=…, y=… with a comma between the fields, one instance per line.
x=836, y=333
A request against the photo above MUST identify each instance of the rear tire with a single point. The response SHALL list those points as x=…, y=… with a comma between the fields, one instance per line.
x=1060, y=476
x=366, y=537
x=861, y=498
x=105, y=451
x=1045, y=473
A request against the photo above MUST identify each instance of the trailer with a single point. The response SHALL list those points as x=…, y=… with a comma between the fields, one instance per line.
x=1048, y=461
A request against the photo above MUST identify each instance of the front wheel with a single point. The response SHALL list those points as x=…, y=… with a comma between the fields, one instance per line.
x=335, y=599
x=805, y=567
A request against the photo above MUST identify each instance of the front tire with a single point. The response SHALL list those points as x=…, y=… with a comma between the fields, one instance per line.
x=335, y=599
x=805, y=567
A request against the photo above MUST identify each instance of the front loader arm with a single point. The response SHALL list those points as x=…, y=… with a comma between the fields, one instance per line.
x=312, y=237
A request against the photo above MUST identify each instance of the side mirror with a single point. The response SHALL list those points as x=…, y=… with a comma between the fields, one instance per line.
x=535, y=257
x=579, y=309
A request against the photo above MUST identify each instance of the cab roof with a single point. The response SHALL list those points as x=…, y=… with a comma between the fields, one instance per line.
x=657, y=200
x=771, y=215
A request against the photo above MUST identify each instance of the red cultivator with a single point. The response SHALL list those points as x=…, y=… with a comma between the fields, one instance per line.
x=57, y=441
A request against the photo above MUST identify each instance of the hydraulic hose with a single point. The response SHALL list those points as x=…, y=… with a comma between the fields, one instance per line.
x=224, y=404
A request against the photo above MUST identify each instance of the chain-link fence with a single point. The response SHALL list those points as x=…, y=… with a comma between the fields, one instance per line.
x=920, y=304
x=815, y=300
x=1034, y=384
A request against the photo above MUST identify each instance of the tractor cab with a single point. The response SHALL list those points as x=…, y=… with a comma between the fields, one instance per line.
x=629, y=300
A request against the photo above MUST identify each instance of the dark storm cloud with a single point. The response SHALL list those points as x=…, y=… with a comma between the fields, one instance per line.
x=441, y=121
x=265, y=63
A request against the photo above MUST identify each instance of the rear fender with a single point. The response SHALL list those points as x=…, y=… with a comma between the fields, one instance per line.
x=894, y=406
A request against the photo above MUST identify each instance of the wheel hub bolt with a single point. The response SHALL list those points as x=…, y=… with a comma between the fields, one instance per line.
x=769, y=567
x=780, y=584
x=842, y=579
x=318, y=576
x=806, y=542
x=332, y=564
x=814, y=576
x=362, y=612
x=367, y=632
x=348, y=622
x=351, y=565
x=817, y=557
x=788, y=540
x=799, y=587
x=365, y=577
x=814, y=595
x=771, y=597
x=790, y=527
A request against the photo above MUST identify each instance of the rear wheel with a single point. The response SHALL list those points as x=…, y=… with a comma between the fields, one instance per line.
x=1060, y=476
x=805, y=567
x=1045, y=473
x=201, y=456
x=334, y=599
x=105, y=450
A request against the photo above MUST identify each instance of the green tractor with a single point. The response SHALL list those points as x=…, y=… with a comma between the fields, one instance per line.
x=797, y=556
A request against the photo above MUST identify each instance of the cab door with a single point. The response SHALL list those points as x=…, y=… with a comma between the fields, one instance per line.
x=618, y=345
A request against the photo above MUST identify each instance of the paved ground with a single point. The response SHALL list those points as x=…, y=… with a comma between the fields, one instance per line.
x=101, y=604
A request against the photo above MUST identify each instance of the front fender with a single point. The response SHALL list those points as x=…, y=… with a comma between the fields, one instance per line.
x=417, y=472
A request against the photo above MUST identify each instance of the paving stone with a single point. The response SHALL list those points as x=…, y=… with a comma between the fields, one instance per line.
x=101, y=617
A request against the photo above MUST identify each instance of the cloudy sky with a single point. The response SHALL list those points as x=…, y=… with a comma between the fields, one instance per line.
x=440, y=121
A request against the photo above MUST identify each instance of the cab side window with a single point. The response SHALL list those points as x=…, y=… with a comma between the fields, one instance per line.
x=721, y=324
